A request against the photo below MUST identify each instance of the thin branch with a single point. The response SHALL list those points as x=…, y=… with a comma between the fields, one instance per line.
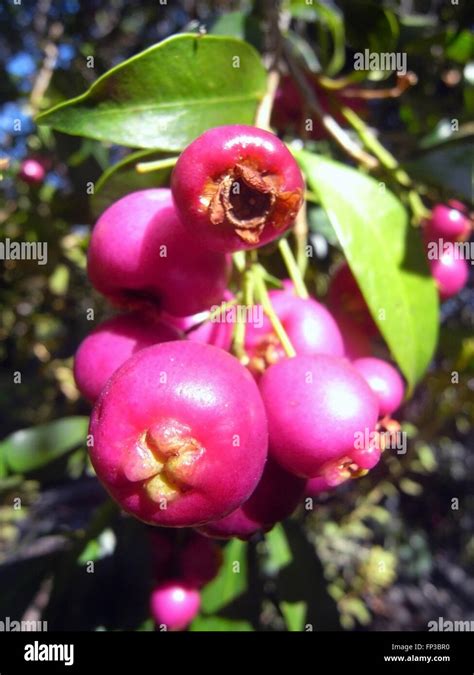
x=329, y=123
x=346, y=84
x=264, y=112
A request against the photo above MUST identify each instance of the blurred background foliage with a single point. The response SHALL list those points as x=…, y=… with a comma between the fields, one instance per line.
x=391, y=551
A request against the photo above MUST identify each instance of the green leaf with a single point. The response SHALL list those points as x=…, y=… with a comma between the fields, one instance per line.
x=123, y=178
x=460, y=48
x=30, y=449
x=370, y=26
x=231, y=580
x=279, y=552
x=319, y=223
x=447, y=166
x=330, y=19
x=230, y=24
x=167, y=95
x=294, y=613
x=386, y=257
x=218, y=623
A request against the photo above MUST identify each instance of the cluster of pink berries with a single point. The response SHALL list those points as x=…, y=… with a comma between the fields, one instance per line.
x=179, y=572
x=450, y=268
x=184, y=433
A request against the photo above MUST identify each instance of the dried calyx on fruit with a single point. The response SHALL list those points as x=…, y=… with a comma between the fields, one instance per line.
x=237, y=187
x=248, y=199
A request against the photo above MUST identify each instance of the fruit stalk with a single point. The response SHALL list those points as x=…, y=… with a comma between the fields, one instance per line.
x=262, y=294
x=293, y=269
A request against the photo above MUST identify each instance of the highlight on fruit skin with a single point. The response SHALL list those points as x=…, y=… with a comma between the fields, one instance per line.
x=450, y=272
x=237, y=187
x=447, y=222
x=174, y=604
x=384, y=380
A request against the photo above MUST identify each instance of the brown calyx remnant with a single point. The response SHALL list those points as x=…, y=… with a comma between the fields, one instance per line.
x=248, y=199
x=162, y=458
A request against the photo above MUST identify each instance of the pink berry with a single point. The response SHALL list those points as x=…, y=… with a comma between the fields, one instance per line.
x=111, y=344
x=447, y=223
x=308, y=324
x=199, y=560
x=32, y=172
x=345, y=296
x=174, y=605
x=385, y=382
x=450, y=272
x=318, y=407
x=140, y=254
x=275, y=498
x=237, y=187
x=179, y=434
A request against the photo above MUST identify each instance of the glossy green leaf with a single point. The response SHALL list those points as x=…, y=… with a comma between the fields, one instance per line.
x=386, y=257
x=30, y=449
x=295, y=614
x=231, y=580
x=219, y=624
x=167, y=95
x=448, y=166
x=123, y=178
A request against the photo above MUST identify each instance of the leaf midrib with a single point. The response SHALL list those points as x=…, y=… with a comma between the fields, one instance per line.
x=104, y=110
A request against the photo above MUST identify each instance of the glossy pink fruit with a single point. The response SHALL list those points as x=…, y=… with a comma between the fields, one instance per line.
x=345, y=296
x=308, y=324
x=450, y=272
x=237, y=187
x=275, y=498
x=140, y=255
x=199, y=560
x=31, y=171
x=447, y=223
x=173, y=605
x=384, y=380
x=102, y=352
x=179, y=434
x=317, y=407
